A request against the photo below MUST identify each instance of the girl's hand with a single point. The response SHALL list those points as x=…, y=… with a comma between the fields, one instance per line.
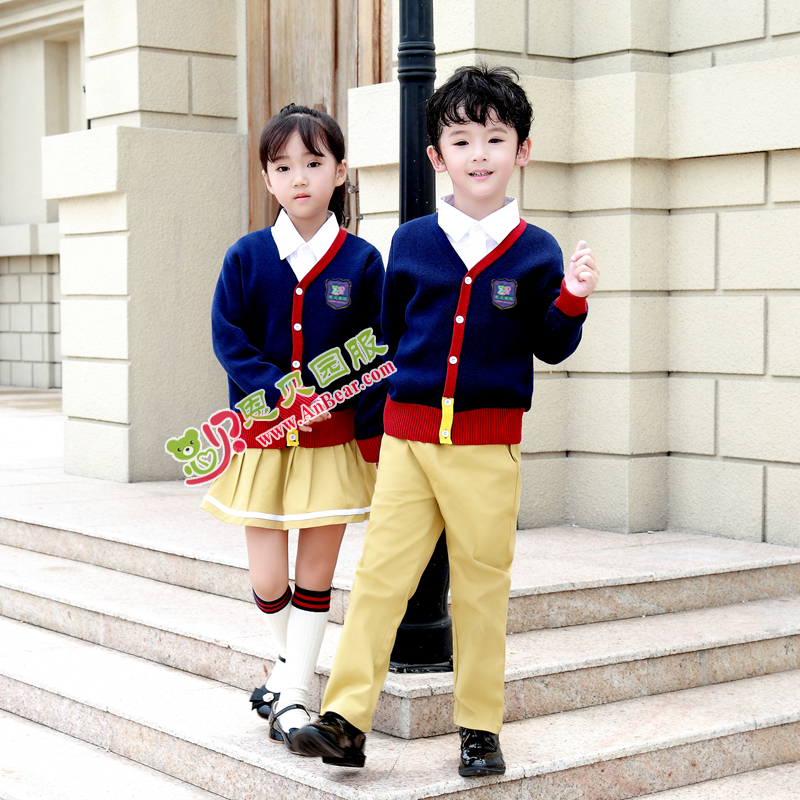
x=306, y=426
x=582, y=273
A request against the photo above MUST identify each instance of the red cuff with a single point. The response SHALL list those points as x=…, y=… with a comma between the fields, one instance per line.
x=370, y=448
x=296, y=408
x=572, y=306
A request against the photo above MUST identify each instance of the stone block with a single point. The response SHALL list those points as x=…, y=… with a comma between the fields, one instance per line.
x=19, y=265
x=378, y=190
x=137, y=80
x=9, y=288
x=204, y=26
x=44, y=376
x=783, y=506
x=48, y=237
x=21, y=373
x=784, y=17
x=600, y=26
x=718, y=181
x=17, y=240
x=40, y=265
x=754, y=423
x=42, y=318
x=96, y=450
x=10, y=347
x=498, y=27
x=622, y=334
x=629, y=117
x=542, y=500
x=546, y=186
x=551, y=132
x=726, y=110
x=378, y=232
x=617, y=415
x=102, y=213
x=650, y=25
x=32, y=346
x=721, y=498
x=4, y=266
x=214, y=87
x=378, y=143
x=692, y=251
x=51, y=288
x=455, y=25
x=5, y=373
x=95, y=265
x=718, y=334
x=96, y=390
x=550, y=28
x=544, y=427
x=5, y=318
x=622, y=495
x=609, y=185
x=95, y=328
x=752, y=249
x=21, y=320
x=79, y=164
x=30, y=288
x=784, y=176
x=783, y=346
x=699, y=23
x=692, y=415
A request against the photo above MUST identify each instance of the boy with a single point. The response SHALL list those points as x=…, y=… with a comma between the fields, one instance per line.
x=471, y=294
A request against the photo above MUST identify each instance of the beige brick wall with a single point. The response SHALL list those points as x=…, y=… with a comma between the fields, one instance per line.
x=667, y=134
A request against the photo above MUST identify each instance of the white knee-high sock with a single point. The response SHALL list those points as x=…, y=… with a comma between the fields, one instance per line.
x=307, y=622
x=277, y=617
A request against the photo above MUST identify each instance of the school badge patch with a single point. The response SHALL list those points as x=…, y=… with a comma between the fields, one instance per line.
x=337, y=293
x=504, y=293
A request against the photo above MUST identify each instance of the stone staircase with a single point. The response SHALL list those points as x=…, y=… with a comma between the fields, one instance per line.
x=637, y=664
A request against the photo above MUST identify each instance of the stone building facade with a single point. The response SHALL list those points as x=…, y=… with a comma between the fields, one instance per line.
x=666, y=133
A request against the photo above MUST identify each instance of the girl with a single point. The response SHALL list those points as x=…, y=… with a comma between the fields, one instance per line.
x=290, y=318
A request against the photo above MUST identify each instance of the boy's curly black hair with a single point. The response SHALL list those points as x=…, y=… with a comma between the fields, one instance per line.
x=476, y=94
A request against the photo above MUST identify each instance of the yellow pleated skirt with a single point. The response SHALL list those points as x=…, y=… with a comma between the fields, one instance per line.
x=298, y=487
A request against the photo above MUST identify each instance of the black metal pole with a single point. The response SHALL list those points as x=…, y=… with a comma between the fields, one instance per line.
x=424, y=640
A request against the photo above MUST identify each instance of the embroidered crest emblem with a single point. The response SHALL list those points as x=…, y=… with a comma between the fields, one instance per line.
x=504, y=293
x=337, y=293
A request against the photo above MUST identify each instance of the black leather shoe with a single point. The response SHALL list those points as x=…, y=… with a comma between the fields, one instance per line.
x=334, y=739
x=480, y=754
x=277, y=732
x=262, y=699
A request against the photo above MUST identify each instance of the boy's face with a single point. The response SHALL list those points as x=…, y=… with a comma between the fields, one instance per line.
x=480, y=160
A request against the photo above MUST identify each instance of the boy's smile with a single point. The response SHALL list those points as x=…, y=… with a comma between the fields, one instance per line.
x=480, y=160
x=303, y=183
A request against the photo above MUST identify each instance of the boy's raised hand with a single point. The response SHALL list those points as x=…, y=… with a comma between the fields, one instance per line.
x=582, y=272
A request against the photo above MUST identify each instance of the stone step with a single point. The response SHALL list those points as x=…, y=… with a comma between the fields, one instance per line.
x=196, y=730
x=562, y=576
x=547, y=670
x=39, y=762
x=775, y=783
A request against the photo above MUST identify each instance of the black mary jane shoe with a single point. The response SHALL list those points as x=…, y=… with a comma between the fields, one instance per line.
x=334, y=739
x=277, y=732
x=262, y=699
x=480, y=754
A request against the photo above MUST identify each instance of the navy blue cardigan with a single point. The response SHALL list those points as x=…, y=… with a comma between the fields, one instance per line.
x=469, y=337
x=254, y=331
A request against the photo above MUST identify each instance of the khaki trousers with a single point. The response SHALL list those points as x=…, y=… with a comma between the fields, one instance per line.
x=473, y=492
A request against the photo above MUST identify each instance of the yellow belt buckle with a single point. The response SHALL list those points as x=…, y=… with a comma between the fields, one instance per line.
x=292, y=438
x=446, y=428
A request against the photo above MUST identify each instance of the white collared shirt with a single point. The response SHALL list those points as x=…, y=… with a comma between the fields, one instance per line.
x=472, y=239
x=303, y=255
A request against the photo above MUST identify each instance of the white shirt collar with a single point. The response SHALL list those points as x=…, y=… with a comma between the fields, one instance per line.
x=496, y=226
x=289, y=241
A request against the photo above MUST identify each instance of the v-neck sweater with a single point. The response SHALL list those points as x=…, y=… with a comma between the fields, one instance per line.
x=267, y=324
x=463, y=343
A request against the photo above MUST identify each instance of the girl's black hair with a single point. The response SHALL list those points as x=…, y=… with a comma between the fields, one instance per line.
x=475, y=94
x=318, y=131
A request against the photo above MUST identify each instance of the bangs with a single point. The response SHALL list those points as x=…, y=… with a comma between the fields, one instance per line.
x=312, y=134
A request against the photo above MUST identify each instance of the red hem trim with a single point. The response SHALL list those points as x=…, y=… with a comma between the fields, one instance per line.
x=479, y=426
x=569, y=304
x=370, y=448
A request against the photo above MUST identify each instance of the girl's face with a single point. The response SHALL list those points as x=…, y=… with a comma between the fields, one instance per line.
x=303, y=184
